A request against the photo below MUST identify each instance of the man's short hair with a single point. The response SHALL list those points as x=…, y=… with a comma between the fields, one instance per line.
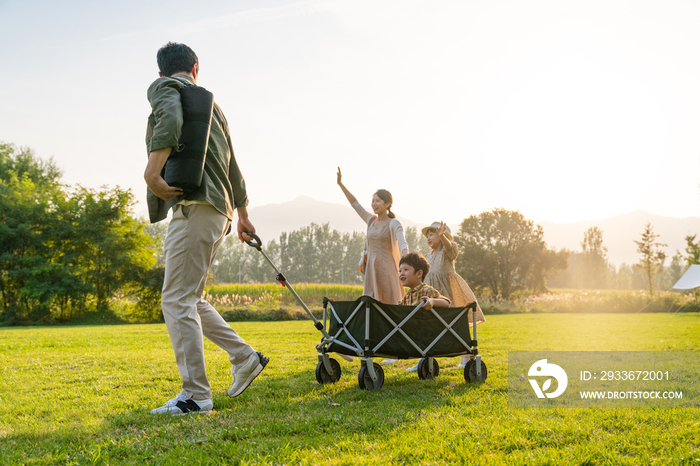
x=174, y=58
x=417, y=261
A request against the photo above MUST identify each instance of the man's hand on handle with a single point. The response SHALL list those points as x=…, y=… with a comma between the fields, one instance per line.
x=244, y=225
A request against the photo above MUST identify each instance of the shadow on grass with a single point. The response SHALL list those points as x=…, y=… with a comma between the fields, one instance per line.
x=276, y=413
x=294, y=405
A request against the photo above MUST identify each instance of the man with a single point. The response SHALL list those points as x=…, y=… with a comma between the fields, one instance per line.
x=200, y=221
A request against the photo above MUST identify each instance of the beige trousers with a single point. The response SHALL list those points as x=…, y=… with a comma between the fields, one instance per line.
x=194, y=235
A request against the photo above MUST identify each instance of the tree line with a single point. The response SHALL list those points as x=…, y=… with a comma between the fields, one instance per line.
x=68, y=251
x=312, y=254
x=501, y=252
x=590, y=268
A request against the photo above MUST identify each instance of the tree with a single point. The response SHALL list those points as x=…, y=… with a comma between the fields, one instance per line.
x=675, y=270
x=504, y=251
x=62, y=249
x=543, y=262
x=29, y=196
x=416, y=241
x=157, y=232
x=317, y=254
x=569, y=276
x=22, y=162
x=230, y=258
x=110, y=245
x=312, y=254
x=653, y=257
x=150, y=284
x=354, y=244
x=693, y=250
x=595, y=259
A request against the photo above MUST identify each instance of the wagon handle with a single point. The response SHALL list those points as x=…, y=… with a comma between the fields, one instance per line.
x=256, y=243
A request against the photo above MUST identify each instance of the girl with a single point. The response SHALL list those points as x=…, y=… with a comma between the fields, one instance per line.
x=442, y=275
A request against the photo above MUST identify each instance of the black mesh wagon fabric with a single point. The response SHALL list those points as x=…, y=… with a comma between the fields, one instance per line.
x=422, y=328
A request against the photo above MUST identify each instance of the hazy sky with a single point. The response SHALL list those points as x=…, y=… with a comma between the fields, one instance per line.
x=563, y=110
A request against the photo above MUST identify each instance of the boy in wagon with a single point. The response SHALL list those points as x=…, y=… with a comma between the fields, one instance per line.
x=413, y=268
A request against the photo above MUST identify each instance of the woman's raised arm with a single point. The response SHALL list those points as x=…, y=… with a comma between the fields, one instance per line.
x=351, y=199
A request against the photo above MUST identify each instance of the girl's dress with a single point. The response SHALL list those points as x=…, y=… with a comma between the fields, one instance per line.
x=384, y=243
x=443, y=277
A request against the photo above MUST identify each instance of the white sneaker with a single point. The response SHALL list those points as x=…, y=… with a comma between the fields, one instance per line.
x=179, y=406
x=247, y=372
x=388, y=361
x=180, y=397
x=412, y=369
x=462, y=364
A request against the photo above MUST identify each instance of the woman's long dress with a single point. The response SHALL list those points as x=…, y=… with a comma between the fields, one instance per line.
x=381, y=277
x=443, y=277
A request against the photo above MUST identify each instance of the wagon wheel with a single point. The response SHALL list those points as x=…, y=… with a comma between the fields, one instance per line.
x=322, y=374
x=470, y=372
x=365, y=381
x=424, y=369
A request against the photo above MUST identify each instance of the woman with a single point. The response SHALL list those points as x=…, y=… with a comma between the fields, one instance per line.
x=385, y=239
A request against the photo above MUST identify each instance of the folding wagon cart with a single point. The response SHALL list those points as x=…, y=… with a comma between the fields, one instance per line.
x=367, y=328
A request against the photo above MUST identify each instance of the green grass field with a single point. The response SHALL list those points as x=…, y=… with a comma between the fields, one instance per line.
x=81, y=395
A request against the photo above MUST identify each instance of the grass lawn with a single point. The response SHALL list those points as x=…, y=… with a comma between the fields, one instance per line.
x=81, y=395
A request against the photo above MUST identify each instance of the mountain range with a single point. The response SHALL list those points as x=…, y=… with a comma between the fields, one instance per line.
x=619, y=232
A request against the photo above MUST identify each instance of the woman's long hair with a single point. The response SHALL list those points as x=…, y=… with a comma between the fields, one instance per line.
x=386, y=196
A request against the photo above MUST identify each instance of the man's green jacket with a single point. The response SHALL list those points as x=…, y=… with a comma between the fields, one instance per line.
x=223, y=185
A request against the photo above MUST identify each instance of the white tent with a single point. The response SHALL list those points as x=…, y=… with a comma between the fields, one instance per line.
x=689, y=280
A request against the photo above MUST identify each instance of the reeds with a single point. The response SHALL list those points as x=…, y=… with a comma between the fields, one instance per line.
x=266, y=295
x=272, y=296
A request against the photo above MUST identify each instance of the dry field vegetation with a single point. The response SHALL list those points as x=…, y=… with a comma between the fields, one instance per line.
x=270, y=301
